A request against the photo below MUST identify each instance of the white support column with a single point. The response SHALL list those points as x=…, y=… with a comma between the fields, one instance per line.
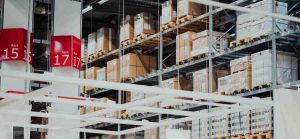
x=286, y=114
x=16, y=15
x=67, y=19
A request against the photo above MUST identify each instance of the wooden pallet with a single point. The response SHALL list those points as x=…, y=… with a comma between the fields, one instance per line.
x=240, y=42
x=167, y=26
x=126, y=43
x=246, y=136
x=261, y=86
x=140, y=37
x=91, y=56
x=200, y=56
x=239, y=91
x=92, y=90
x=262, y=135
x=193, y=26
x=101, y=53
x=222, y=138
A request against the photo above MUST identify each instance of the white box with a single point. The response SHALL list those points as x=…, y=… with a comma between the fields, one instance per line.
x=92, y=45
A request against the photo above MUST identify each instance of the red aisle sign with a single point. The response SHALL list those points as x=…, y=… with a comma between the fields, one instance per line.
x=13, y=45
x=65, y=51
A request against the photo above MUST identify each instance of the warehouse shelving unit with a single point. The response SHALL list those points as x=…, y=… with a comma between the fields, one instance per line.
x=165, y=49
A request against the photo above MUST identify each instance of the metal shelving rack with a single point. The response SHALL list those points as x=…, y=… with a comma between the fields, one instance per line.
x=278, y=41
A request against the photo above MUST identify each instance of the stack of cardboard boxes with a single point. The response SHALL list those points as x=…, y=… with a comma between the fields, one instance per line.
x=106, y=39
x=168, y=12
x=184, y=46
x=101, y=74
x=91, y=73
x=187, y=7
x=134, y=65
x=127, y=28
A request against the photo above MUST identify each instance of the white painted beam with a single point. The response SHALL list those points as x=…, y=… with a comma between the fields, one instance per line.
x=247, y=10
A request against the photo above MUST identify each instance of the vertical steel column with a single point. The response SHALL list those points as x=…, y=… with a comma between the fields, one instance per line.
x=119, y=56
x=1, y=13
x=160, y=63
x=274, y=49
x=210, y=63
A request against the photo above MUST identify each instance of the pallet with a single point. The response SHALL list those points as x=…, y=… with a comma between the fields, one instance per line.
x=101, y=53
x=91, y=57
x=261, y=86
x=246, y=136
x=200, y=56
x=240, y=91
x=90, y=91
x=240, y=42
x=222, y=138
x=192, y=26
x=262, y=135
x=167, y=26
x=128, y=79
x=140, y=37
x=126, y=43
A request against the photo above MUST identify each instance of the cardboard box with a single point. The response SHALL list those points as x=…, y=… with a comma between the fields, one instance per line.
x=186, y=7
x=127, y=28
x=240, y=122
x=92, y=45
x=168, y=12
x=106, y=39
x=91, y=73
x=113, y=70
x=201, y=80
x=144, y=23
x=219, y=124
x=178, y=84
x=201, y=42
x=184, y=46
x=82, y=76
x=151, y=133
x=240, y=64
x=101, y=74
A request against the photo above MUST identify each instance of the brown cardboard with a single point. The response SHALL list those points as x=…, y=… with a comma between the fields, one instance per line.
x=184, y=46
x=144, y=23
x=186, y=7
x=112, y=70
x=168, y=12
x=127, y=28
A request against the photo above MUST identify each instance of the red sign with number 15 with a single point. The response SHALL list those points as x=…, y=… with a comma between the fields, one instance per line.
x=65, y=51
x=13, y=45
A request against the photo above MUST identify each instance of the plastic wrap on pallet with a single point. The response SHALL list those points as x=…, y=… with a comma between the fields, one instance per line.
x=240, y=64
x=101, y=74
x=220, y=124
x=112, y=70
x=240, y=123
x=168, y=12
x=287, y=68
x=106, y=40
x=92, y=45
x=201, y=42
x=187, y=7
x=250, y=25
x=127, y=28
x=262, y=119
x=178, y=84
x=137, y=135
x=204, y=127
x=201, y=80
x=184, y=46
x=235, y=82
x=144, y=23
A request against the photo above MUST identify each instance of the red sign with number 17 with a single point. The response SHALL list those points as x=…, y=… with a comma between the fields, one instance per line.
x=65, y=51
x=13, y=45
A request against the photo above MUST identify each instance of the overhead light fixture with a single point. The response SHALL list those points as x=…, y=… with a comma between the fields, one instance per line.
x=102, y=1
x=88, y=8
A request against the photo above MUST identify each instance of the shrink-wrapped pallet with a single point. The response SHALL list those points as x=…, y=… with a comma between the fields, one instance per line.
x=144, y=23
x=133, y=65
x=201, y=80
x=106, y=39
x=201, y=43
x=127, y=28
x=184, y=44
x=253, y=25
x=287, y=68
x=240, y=64
x=262, y=119
x=236, y=82
x=113, y=70
x=220, y=124
x=200, y=128
x=187, y=7
x=168, y=12
x=92, y=45
x=240, y=122
x=101, y=74
x=91, y=73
